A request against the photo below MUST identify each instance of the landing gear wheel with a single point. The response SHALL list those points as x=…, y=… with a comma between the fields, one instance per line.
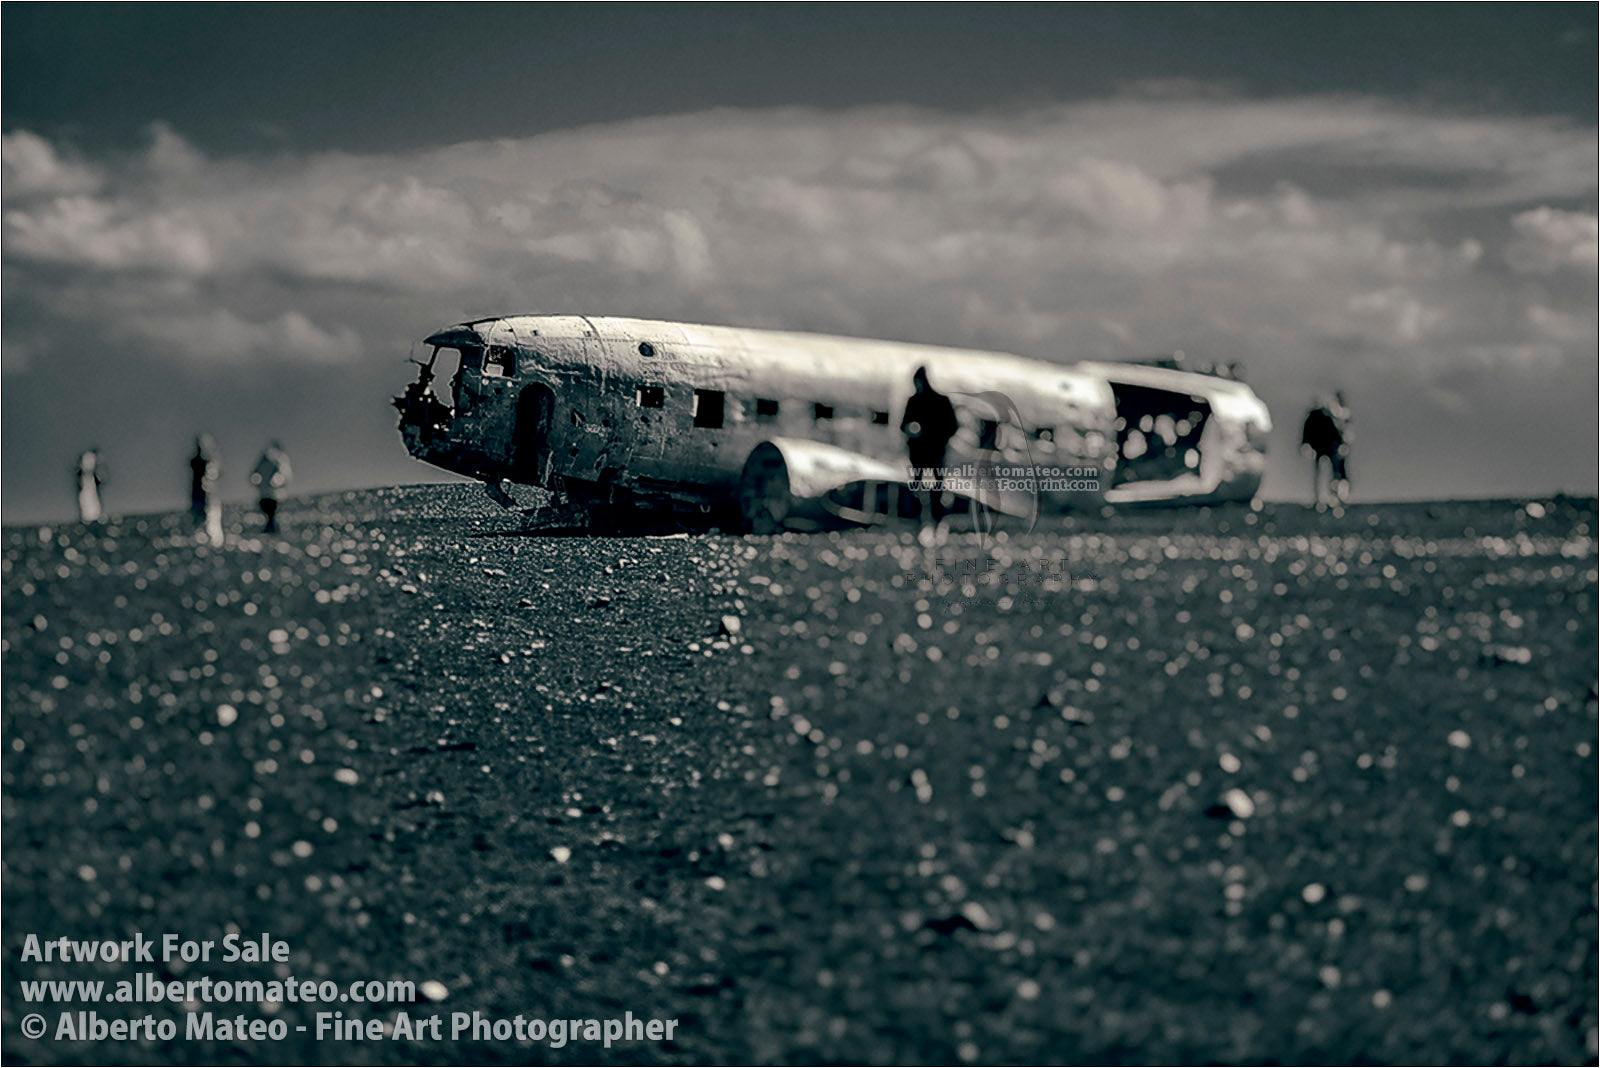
x=764, y=491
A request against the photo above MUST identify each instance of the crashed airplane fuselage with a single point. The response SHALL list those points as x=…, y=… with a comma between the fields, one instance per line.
x=765, y=429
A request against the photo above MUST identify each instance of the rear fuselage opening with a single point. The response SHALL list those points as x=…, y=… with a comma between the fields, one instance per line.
x=1158, y=433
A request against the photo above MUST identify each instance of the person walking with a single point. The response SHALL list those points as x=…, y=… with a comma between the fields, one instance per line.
x=928, y=425
x=270, y=477
x=91, y=476
x=1324, y=435
x=205, y=508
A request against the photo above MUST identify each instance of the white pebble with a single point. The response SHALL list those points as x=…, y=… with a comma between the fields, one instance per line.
x=1240, y=802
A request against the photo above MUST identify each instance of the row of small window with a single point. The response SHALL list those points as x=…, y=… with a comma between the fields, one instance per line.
x=710, y=404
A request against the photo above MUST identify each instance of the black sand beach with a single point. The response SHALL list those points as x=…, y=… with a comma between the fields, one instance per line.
x=1213, y=785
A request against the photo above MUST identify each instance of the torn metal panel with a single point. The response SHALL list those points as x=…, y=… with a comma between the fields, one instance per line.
x=1227, y=442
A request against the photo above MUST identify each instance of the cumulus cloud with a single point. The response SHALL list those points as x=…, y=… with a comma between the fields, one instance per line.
x=1549, y=240
x=1321, y=241
x=89, y=231
x=1561, y=326
x=220, y=335
x=1397, y=313
x=170, y=154
x=32, y=166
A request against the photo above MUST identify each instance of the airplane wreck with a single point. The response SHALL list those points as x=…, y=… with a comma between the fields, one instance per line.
x=761, y=430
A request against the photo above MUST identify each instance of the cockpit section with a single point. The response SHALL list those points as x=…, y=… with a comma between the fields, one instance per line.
x=434, y=404
x=450, y=363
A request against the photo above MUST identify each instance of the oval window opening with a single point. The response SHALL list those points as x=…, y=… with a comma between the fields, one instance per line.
x=646, y=349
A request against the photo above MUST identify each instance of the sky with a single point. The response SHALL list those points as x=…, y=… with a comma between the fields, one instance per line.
x=243, y=219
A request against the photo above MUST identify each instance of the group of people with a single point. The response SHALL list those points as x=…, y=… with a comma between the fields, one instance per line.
x=270, y=478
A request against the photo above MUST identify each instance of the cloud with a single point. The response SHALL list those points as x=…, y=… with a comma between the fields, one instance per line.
x=1397, y=313
x=1561, y=326
x=169, y=154
x=222, y=336
x=1320, y=241
x=88, y=231
x=1550, y=240
x=32, y=166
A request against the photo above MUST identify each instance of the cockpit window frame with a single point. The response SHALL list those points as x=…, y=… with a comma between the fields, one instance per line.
x=502, y=358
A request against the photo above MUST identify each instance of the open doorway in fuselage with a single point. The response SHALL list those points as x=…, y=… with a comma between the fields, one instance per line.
x=536, y=406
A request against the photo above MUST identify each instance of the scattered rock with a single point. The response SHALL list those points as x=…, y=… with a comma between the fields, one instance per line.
x=1499, y=655
x=687, y=787
x=950, y=924
x=1235, y=804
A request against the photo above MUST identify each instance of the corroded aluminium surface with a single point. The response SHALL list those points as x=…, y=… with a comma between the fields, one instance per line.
x=673, y=410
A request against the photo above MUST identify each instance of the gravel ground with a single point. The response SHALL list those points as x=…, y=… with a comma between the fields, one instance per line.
x=1213, y=785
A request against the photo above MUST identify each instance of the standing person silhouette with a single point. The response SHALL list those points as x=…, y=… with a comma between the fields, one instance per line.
x=1339, y=463
x=928, y=425
x=1324, y=435
x=91, y=476
x=205, y=509
x=271, y=475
